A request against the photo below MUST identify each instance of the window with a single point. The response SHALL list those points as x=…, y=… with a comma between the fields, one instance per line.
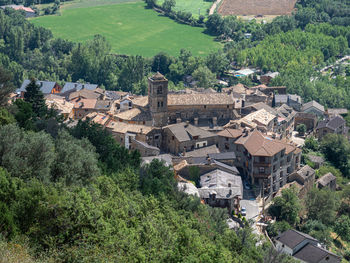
x=205, y=106
x=262, y=159
x=161, y=104
x=158, y=104
x=173, y=138
x=156, y=137
x=159, y=90
x=226, y=139
x=228, y=106
x=227, y=147
x=261, y=170
x=204, y=144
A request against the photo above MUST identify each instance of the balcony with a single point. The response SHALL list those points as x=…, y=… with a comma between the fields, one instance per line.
x=264, y=164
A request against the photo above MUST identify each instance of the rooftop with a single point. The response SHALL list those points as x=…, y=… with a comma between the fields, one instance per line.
x=45, y=86
x=291, y=238
x=313, y=254
x=223, y=184
x=326, y=179
x=313, y=104
x=200, y=99
x=185, y=132
x=333, y=123
x=259, y=145
x=230, y=133
x=262, y=117
x=134, y=114
x=122, y=127
x=76, y=86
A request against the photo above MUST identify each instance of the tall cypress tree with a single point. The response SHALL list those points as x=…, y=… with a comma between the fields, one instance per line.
x=34, y=96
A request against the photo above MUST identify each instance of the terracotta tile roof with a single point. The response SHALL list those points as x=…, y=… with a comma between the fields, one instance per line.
x=261, y=116
x=230, y=133
x=86, y=94
x=99, y=118
x=61, y=105
x=200, y=99
x=134, y=114
x=259, y=145
x=121, y=127
x=141, y=101
x=84, y=103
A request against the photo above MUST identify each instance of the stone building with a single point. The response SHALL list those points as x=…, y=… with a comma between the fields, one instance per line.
x=182, y=137
x=265, y=161
x=335, y=125
x=327, y=180
x=305, y=177
x=158, y=99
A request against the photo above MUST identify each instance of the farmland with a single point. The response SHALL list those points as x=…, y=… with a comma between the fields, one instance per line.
x=129, y=27
x=256, y=7
x=196, y=7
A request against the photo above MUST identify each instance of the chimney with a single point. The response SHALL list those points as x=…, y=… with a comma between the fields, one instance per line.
x=187, y=123
x=195, y=121
x=41, y=83
x=178, y=120
x=208, y=160
x=307, y=173
x=141, y=130
x=230, y=192
x=215, y=121
x=184, y=151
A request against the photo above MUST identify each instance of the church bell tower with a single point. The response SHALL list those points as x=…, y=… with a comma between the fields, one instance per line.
x=158, y=99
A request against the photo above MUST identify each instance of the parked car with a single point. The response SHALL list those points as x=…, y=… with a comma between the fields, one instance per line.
x=247, y=186
x=243, y=211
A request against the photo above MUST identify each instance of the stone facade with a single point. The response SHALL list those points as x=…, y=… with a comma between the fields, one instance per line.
x=158, y=99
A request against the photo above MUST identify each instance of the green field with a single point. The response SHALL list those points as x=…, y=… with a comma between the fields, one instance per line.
x=129, y=27
x=195, y=7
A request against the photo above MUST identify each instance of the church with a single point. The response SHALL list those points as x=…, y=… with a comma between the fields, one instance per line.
x=161, y=108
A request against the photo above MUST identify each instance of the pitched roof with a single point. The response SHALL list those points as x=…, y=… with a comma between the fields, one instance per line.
x=338, y=111
x=134, y=114
x=204, y=151
x=311, y=104
x=313, y=254
x=122, y=127
x=230, y=133
x=146, y=145
x=200, y=99
x=76, y=86
x=259, y=145
x=333, y=123
x=185, y=132
x=86, y=94
x=158, y=76
x=20, y=7
x=45, y=86
x=99, y=118
x=223, y=184
x=261, y=116
x=315, y=158
x=291, y=238
x=61, y=105
x=84, y=103
x=326, y=179
x=103, y=105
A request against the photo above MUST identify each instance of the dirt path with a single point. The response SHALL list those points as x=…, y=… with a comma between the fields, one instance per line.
x=213, y=7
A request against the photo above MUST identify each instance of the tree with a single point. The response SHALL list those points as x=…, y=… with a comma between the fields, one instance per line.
x=26, y=154
x=287, y=206
x=336, y=149
x=151, y=3
x=156, y=179
x=76, y=160
x=217, y=62
x=301, y=129
x=311, y=143
x=168, y=5
x=342, y=227
x=322, y=205
x=6, y=86
x=35, y=97
x=317, y=230
x=6, y=117
x=161, y=63
x=204, y=77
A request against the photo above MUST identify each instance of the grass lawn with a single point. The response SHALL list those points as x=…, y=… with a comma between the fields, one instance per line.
x=130, y=28
x=192, y=6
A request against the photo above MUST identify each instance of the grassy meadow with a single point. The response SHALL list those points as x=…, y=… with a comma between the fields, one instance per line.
x=128, y=26
x=195, y=7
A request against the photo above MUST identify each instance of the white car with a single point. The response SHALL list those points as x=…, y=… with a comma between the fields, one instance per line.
x=243, y=211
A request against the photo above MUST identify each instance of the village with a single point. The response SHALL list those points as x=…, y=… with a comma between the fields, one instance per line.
x=235, y=149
